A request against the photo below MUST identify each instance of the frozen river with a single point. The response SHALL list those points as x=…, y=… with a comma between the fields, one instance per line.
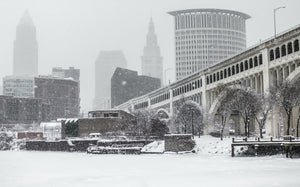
x=25, y=168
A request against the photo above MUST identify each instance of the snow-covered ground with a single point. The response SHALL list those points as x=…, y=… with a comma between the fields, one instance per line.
x=62, y=169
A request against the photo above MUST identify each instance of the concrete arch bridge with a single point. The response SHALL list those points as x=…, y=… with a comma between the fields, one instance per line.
x=258, y=67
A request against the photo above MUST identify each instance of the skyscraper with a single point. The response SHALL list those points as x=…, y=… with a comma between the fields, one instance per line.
x=151, y=60
x=205, y=36
x=105, y=66
x=25, y=59
x=127, y=84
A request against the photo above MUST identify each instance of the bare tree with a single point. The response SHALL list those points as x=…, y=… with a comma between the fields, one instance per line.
x=246, y=103
x=150, y=123
x=225, y=109
x=143, y=122
x=189, y=117
x=286, y=95
x=261, y=116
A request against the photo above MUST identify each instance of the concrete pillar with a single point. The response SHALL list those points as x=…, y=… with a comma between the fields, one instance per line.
x=267, y=76
x=253, y=82
x=281, y=74
x=261, y=83
x=256, y=83
x=171, y=102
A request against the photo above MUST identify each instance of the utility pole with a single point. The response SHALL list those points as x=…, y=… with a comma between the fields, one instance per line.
x=275, y=18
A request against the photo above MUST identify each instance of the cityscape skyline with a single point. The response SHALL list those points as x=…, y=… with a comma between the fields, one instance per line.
x=74, y=39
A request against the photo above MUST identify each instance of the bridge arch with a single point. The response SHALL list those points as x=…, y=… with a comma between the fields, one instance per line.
x=294, y=75
x=211, y=117
x=163, y=112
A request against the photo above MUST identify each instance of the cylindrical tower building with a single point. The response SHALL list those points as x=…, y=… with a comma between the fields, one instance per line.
x=205, y=36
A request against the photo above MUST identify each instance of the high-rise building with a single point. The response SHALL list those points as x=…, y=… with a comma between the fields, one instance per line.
x=205, y=36
x=25, y=48
x=127, y=84
x=105, y=66
x=62, y=95
x=18, y=86
x=66, y=73
x=151, y=60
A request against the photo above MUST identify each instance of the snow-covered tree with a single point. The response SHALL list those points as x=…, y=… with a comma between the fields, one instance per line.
x=261, y=116
x=188, y=117
x=150, y=123
x=5, y=141
x=143, y=119
x=225, y=109
x=247, y=104
x=286, y=95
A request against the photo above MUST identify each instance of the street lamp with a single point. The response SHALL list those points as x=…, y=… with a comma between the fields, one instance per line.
x=275, y=18
x=166, y=75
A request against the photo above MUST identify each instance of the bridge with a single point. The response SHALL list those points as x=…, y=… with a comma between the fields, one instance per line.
x=258, y=67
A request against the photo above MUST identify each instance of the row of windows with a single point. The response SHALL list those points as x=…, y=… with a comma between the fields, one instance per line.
x=201, y=31
x=141, y=105
x=209, y=20
x=188, y=87
x=203, y=38
x=284, y=50
x=160, y=98
x=235, y=69
x=213, y=41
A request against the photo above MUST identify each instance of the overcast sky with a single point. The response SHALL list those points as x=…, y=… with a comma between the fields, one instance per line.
x=72, y=32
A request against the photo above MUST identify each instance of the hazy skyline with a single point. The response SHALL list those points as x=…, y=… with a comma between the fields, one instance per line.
x=73, y=32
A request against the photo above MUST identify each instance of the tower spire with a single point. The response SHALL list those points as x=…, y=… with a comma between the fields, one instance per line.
x=26, y=18
x=151, y=59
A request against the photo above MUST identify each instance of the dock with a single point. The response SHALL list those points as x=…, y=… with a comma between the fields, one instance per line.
x=288, y=146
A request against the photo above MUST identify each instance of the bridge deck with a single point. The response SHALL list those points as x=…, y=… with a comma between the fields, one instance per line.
x=285, y=145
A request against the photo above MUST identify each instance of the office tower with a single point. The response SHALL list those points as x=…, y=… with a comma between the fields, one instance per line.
x=62, y=95
x=127, y=84
x=152, y=60
x=203, y=37
x=25, y=59
x=105, y=65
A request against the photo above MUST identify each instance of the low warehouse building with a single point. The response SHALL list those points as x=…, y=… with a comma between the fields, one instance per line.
x=104, y=122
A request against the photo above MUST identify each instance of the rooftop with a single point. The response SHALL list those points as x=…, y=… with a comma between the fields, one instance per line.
x=223, y=11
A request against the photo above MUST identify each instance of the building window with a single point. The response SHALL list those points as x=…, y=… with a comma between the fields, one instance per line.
x=255, y=61
x=271, y=55
x=237, y=68
x=290, y=48
x=296, y=45
x=260, y=59
x=242, y=66
x=250, y=63
x=221, y=75
x=218, y=76
x=277, y=53
x=207, y=80
x=233, y=70
x=225, y=73
x=283, y=50
x=229, y=72
x=246, y=64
